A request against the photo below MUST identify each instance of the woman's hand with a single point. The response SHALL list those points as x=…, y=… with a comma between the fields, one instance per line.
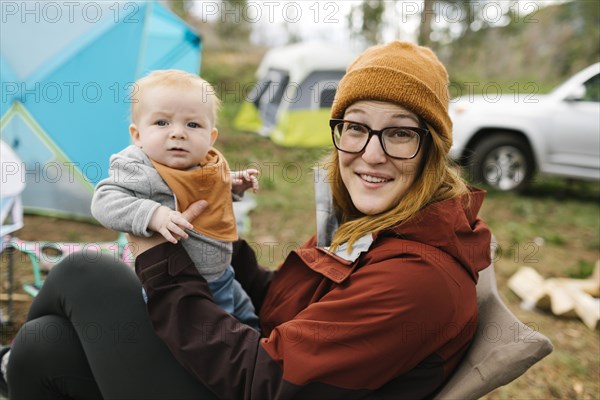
x=138, y=245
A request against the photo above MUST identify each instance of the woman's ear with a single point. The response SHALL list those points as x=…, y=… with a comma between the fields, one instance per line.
x=135, y=135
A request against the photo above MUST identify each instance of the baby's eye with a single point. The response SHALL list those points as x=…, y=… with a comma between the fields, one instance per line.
x=161, y=122
x=193, y=125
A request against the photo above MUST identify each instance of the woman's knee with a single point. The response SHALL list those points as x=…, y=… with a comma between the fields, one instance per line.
x=41, y=339
x=45, y=355
x=92, y=269
x=37, y=342
x=79, y=281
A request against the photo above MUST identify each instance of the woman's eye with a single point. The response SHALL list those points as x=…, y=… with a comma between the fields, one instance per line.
x=404, y=134
x=355, y=128
x=193, y=125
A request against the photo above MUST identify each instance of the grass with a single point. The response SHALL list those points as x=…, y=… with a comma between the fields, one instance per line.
x=552, y=216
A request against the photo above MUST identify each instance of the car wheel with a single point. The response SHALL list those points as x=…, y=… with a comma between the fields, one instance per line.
x=502, y=161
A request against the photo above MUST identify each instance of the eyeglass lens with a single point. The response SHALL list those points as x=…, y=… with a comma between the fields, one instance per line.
x=396, y=142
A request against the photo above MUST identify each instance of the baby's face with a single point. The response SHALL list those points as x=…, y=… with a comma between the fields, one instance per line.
x=175, y=126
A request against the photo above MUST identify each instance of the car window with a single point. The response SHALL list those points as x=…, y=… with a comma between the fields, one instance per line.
x=592, y=89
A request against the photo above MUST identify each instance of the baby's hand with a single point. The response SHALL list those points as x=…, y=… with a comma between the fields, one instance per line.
x=169, y=223
x=244, y=180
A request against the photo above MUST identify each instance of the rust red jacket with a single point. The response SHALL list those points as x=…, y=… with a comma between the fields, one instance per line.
x=392, y=324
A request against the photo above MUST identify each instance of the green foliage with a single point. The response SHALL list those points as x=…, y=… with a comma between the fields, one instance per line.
x=180, y=7
x=571, y=361
x=542, y=47
x=231, y=25
x=365, y=20
x=555, y=226
x=584, y=270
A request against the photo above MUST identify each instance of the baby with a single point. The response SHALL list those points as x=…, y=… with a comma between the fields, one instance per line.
x=171, y=165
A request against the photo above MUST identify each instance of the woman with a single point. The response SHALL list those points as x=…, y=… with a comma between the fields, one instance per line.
x=386, y=310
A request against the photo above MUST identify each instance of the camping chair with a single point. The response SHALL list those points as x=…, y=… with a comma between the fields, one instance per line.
x=44, y=255
x=502, y=350
x=11, y=209
x=9, y=280
x=503, y=347
x=11, y=212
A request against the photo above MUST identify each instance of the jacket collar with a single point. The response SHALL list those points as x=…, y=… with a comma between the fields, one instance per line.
x=328, y=264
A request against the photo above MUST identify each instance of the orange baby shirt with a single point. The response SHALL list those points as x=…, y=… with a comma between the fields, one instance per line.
x=210, y=182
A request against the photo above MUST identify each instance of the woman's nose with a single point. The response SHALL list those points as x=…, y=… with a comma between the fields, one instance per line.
x=373, y=153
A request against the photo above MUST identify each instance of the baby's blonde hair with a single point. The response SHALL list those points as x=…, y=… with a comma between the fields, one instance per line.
x=177, y=78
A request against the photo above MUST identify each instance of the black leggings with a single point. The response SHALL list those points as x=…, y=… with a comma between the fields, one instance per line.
x=88, y=336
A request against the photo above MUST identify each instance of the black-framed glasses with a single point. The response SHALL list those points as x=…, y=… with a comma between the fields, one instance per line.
x=400, y=142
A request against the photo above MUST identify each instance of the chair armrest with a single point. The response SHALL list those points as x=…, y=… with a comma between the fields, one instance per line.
x=502, y=350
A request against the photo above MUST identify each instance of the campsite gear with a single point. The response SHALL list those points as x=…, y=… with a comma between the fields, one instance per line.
x=296, y=85
x=11, y=209
x=11, y=215
x=66, y=80
x=44, y=255
x=494, y=359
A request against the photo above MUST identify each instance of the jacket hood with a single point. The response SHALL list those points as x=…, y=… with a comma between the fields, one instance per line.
x=454, y=227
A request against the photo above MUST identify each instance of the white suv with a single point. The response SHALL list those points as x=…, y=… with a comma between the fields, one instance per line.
x=503, y=139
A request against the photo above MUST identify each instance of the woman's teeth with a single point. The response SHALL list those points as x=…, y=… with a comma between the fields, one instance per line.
x=373, y=179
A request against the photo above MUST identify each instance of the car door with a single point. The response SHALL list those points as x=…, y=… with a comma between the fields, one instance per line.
x=575, y=143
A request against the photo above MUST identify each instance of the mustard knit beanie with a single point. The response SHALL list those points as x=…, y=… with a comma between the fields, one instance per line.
x=401, y=73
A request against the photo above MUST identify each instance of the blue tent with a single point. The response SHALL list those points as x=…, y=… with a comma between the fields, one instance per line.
x=66, y=69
